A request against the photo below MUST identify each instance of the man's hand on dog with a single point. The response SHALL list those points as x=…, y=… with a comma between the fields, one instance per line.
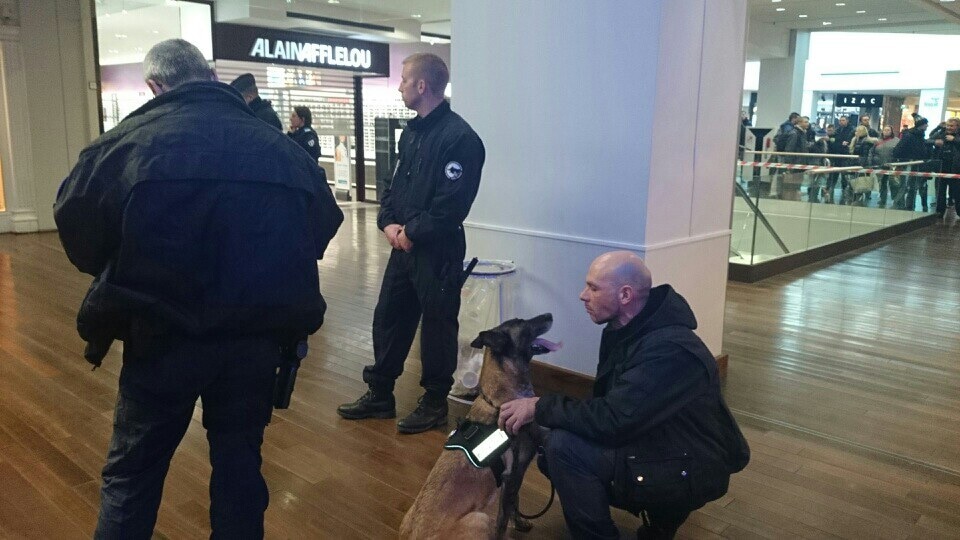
x=516, y=414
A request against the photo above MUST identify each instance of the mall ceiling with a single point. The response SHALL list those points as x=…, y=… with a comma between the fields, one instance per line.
x=771, y=21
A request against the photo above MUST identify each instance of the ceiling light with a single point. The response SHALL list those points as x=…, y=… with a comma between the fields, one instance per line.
x=416, y=15
x=776, y=1
x=840, y=4
x=881, y=19
x=781, y=9
x=861, y=11
x=827, y=23
x=120, y=36
x=802, y=16
x=156, y=31
x=945, y=1
x=333, y=1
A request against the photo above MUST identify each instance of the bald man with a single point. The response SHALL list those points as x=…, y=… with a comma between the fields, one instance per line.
x=656, y=437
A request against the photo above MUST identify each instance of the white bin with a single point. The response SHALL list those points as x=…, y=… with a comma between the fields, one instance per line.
x=487, y=299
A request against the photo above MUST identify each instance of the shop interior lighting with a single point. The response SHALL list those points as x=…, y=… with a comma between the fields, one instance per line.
x=776, y=1
x=781, y=9
x=840, y=4
x=861, y=11
x=416, y=15
x=333, y=1
x=827, y=23
x=881, y=19
x=802, y=16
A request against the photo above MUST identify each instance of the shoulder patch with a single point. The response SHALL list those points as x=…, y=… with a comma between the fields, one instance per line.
x=310, y=142
x=453, y=170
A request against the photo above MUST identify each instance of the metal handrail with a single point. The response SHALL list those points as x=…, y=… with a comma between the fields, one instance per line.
x=756, y=211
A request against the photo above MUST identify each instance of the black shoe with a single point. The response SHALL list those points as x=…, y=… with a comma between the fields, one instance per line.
x=431, y=412
x=370, y=405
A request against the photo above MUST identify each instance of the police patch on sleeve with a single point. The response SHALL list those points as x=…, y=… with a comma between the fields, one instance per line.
x=310, y=142
x=453, y=170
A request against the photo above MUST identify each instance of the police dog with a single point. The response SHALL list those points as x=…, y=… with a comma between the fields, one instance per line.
x=459, y=500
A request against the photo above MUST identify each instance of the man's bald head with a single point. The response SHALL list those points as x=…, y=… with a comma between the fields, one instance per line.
x=618, y=285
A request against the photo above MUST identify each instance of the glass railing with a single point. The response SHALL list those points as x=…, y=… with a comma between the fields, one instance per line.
x=811, y=201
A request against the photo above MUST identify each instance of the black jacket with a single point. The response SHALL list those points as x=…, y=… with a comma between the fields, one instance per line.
x=912, y=146
x=197, y=219
x=307, y=138
x=656, y=398
x=264, y=111
x=436, y=178
x=948, y=153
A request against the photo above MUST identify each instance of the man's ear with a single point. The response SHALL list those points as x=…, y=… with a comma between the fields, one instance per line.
x=496, y=341
x=155, y=87
x=422, y=87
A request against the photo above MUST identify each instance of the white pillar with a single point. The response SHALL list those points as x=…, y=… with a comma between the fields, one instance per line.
x=781, y=83
x=608, y=125
x=16, y=150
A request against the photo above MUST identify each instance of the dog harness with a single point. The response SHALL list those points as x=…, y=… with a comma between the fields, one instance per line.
x=483, y=444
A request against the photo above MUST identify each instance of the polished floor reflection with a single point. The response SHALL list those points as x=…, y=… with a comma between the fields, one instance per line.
x=843, y=375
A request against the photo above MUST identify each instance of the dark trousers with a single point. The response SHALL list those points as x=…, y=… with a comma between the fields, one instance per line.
x=159, y=385
x=581, y=472
x=916, y=185
x=946, y=193
x=417, y=285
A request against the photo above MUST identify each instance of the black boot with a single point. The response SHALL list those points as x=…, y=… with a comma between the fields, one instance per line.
x=373, y=404
x=431, y=412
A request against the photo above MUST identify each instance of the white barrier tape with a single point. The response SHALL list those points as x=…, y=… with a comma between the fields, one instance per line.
x=822, y=169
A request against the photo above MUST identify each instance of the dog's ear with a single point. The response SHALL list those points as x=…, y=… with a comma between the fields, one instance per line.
x=497, y=341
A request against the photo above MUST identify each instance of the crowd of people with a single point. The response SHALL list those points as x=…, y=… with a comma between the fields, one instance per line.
x=802, y=144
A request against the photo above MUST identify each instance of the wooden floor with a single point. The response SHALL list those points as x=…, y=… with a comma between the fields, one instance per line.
x=845, y=377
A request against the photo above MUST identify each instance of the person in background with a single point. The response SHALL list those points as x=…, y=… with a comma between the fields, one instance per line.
x=301, y=131
x=947, y=150
x=246, y=84
x=914, y=147
x=656, y=406
x=865, y=122
x=203, y=228
x=882, y=155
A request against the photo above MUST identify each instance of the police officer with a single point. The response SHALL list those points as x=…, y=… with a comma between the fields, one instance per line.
x=421, y=215
x=302, y=132
x=246, y=84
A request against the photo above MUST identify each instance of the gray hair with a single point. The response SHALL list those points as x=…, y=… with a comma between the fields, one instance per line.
x=174, y=62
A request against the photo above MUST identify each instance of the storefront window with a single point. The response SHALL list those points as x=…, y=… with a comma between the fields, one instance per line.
x=125, y=32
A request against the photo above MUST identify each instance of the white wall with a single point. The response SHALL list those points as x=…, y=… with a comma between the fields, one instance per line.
x=605, y=129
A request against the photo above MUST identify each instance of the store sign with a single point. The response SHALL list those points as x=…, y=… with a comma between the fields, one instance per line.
x=859, y=100
x=253, y=44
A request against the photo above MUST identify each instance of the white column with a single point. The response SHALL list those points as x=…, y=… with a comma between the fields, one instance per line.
x=781, y=83
x=15, y=145
x=608, y=125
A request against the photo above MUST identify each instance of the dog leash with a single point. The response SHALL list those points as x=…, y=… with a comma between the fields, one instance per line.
x=545, y=508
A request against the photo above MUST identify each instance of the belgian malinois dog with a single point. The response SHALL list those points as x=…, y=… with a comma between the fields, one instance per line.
x=459, y=500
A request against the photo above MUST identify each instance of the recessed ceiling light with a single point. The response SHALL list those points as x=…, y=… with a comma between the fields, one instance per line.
x=840, y=4
x=120, y=36
x=881, y=19
x=416, y=15
x=945, y=1
x=827, y=23
x=776, y=1
x=156, y=31
x=333, y=1
x=781, y=9
x=861, y=11
x=802, y=16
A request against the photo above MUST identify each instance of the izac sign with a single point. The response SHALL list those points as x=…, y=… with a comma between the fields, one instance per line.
x=858, y=100
x=312, y=53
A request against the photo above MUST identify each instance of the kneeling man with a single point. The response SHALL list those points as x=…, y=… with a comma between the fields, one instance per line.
x=656, y=438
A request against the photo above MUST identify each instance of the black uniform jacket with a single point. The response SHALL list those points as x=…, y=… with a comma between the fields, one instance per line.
x=912, y=146
x=198, y=218
x=656, y=398
x=307, y=138
x=264, y=111
x=436, y=179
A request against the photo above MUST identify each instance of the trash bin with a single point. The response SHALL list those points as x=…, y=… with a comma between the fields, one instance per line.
x=487, y=299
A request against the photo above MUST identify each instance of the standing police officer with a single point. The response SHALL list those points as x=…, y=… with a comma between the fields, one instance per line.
x=302, y=132
x=421, y=215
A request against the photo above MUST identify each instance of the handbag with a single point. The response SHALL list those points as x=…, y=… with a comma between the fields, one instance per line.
x=862, y=183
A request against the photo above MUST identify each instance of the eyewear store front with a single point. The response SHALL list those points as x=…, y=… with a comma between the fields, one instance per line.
x=292, y=69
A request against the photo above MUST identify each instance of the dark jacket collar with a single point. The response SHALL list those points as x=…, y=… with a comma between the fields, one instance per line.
x=435, y=115
x=195, y=91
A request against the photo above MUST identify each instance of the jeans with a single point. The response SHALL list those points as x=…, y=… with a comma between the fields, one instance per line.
x=581, y=471
x=159, y=384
